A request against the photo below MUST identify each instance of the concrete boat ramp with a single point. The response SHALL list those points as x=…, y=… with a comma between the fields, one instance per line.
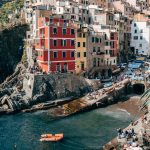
x=99, y=98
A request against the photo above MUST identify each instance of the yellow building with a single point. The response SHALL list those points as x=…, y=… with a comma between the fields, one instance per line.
x=81, y=51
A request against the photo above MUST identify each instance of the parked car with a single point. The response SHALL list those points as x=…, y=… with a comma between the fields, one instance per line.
x=107, y=84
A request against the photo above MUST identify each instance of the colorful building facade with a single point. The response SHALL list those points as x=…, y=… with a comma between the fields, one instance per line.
x=81, y=50
x=55, y=45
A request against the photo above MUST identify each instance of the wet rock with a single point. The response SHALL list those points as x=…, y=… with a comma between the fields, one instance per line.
x=5, y=107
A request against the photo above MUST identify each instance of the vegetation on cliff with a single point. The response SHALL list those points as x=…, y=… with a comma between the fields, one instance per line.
x=10, y=13
x=12, y=34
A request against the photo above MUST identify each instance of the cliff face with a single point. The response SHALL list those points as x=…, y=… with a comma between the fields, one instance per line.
x=11, y=45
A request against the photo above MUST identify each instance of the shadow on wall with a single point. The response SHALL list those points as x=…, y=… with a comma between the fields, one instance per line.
x=11, y=49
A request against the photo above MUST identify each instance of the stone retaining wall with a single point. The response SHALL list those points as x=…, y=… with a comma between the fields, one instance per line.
x=56, y=86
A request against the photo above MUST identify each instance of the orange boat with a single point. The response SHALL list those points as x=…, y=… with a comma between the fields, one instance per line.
x=51, y=138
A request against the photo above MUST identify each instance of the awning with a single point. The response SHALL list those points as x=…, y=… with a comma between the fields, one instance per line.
x=140, y=58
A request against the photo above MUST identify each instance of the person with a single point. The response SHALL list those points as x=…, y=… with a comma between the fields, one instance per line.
x=134, y=144
x=132, y=132
x=126, y=134
x=119, y=133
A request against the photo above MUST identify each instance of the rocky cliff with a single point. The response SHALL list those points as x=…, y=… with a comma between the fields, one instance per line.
x=22, y=90
x=11, y=45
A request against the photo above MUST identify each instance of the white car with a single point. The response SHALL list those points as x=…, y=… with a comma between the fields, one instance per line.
x=108, y=84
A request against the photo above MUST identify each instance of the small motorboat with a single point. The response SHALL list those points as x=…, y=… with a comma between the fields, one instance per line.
x=51, y=138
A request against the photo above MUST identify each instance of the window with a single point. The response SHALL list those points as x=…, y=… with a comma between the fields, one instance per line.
x=97, y=40
x=78, y=54
x=93, y=39
x=141, y=37
x=55, y=55
x=63, y=42
x=72, y=31
x=141, y=31
x=72, y=43
x=100, y=40
x=110, y=52
x=54, y=30
x=51, y=21
x=140, y=45
x=79, y=35
x=135, y=37
x=107, y=43
x=65, y=22
x=105, y=37
x=94, y=49
x=54, y=42
x=84, y=54
x=78, y=44
x=98, y=49
x=134, y=24
x=64, y=31
x=40, y=54
x=72, y=54
x=84, y=35
x=135, y=31
x=83, y=44
x=112, y=36
x=64, y=54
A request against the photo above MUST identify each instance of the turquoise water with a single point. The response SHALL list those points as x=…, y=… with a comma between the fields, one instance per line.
x=85, y=131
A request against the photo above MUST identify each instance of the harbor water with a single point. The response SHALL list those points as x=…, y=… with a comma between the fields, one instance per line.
x=90, y=130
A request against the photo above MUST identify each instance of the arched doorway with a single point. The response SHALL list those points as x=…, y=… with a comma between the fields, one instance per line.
x=138, y=88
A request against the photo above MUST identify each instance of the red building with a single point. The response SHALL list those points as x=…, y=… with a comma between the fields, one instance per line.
x=55, y=45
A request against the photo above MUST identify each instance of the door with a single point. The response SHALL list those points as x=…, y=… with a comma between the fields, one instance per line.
x=58, y=68
x=65, y=67
x=82, y=66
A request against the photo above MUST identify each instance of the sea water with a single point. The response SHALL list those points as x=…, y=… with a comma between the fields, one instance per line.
x=86, y=131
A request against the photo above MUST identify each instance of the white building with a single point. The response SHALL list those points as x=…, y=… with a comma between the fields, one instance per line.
x=140, y=38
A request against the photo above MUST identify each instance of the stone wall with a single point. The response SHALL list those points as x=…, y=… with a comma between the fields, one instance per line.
x=55, y=86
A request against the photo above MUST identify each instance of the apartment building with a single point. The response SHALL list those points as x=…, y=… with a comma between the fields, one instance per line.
x=100, y=16
x=81, y=50
x=55, y=44
x=140, y=40
x=124, y=7
x=101, y=53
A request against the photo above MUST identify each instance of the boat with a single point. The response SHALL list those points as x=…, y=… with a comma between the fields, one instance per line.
x=51, y=138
